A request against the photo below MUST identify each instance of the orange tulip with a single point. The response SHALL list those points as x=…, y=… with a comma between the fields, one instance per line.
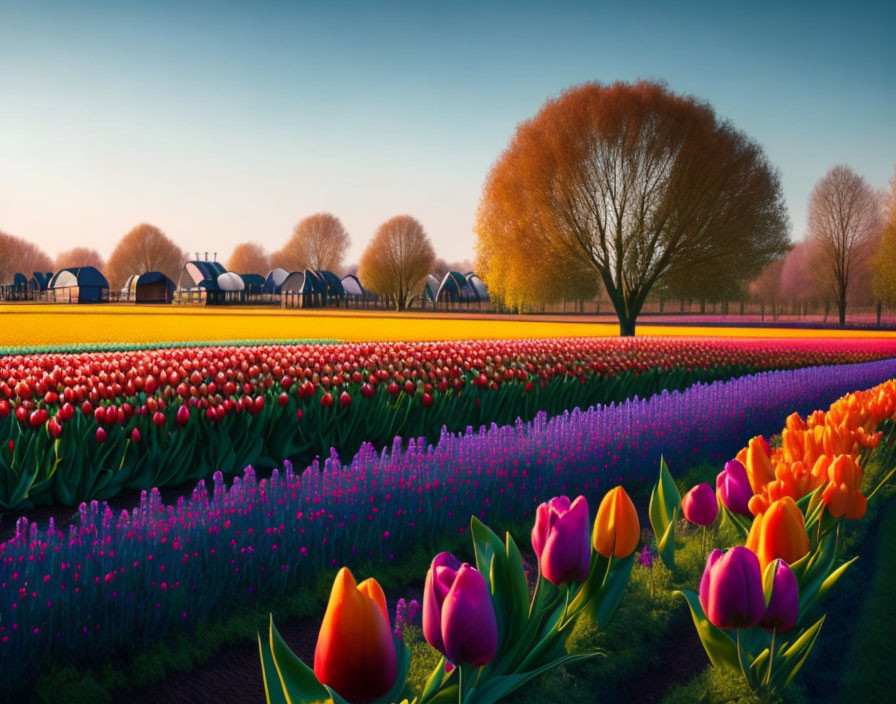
x=758, y=464
x=355, y=653
x=616, y=528
x=842, y=495
x=779, y=532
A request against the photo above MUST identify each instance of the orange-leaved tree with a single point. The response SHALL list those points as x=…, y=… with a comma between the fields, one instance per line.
x=145, y=248
x=632, y=183
x=318, y=242
x=397, y=260
x=78, y=257
x=249, y=258
x=18, y=255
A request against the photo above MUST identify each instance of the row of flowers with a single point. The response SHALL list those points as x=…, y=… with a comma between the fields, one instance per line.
x=758, y=611
x=167, y=417
x=112, y=582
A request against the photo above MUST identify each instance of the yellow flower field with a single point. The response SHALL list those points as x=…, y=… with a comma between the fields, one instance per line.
x=23, y=325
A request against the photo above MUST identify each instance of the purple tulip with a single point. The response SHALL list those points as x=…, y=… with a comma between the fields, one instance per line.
x=733, y=488
x=731, y=589
x=699, y=505
x=458, y=615
x=560, y=539
x=784, y=602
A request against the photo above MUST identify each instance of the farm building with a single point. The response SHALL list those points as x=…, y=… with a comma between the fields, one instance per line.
x=83, y=284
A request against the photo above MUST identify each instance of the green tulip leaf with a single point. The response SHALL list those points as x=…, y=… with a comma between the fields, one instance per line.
x=740, y=523
x=665, y=503
x=496, y=688
x=273, y=690
x=434, y=682
x=791, y=657
x=611, y=591
x=519, y=587
x=719, y=646
x=297, y=680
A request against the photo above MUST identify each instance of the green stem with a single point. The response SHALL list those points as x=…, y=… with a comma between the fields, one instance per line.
x=740, y=661
x=535, y=593
x=771, y=654
x=460, y=684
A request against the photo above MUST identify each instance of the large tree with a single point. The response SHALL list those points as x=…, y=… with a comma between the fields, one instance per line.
x=249, y=258
x=636, y=183
x=844, y=223
x=143, y=249
x=397, y=260
x=883, y=264
x=318, y=242
x=18, y=255
x=77, y=257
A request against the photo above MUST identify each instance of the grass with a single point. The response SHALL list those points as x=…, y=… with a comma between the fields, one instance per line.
x=41, y=325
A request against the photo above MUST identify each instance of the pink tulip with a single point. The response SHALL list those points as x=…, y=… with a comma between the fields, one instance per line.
x=560, y=539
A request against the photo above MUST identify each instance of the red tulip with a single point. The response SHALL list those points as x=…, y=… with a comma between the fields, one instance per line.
x=345, y=399
x=183, y=415
x=135, y=436
x=326, y=400
x=158, y=419
x=100, y=436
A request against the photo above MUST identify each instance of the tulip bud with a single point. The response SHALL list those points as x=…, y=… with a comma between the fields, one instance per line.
x=780, y=532
x=699, y=505
x=326, y=400
x=345, y=399
x=100, y=436
x=54, y=428
x=183, y=415
x=731, y=589
x=843, y=495
x=560, y=539
x=733, y=488
x=427, y=400
x=616, y=527
x=782, y=593
x=135, y=436
x=355, y=654
x=458, y=615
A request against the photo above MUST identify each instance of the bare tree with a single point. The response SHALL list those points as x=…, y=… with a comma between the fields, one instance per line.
x=77, y=257
x=18, y=255
x=635, y=182
x=145, y=248
x=844, y=221
x=767, y=287
x=249, y=258
x=318, y=242
x=397, y=260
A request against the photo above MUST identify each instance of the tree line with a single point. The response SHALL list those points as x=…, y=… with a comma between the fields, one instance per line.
x=394, y=264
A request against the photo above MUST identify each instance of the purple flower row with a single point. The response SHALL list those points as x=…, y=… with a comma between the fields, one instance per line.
x=115, y=583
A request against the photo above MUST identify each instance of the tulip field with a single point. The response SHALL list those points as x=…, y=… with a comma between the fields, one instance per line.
x=722, y=481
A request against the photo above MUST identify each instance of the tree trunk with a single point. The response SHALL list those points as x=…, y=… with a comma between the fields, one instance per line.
x=682, y=306
x=662, y=305
x=878, y=313
x=841, y=310
x=627, y=326
x=741, y=306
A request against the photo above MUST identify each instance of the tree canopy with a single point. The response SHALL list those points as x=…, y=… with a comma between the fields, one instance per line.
x=18, y=255
x=143, y=249
x=249, y=258
x=883, y=265
x=397, y=260
x=78, y=257
x=629, y=183
x=318, y=242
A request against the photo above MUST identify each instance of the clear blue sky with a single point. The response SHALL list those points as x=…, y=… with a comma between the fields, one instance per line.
x=226, y=122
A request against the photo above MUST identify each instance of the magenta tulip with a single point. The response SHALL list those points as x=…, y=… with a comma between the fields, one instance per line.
x=731, y=589
x=560, y=539
x=733, y=488
x=699, y=505
x=458, y=615
x=783, y=608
